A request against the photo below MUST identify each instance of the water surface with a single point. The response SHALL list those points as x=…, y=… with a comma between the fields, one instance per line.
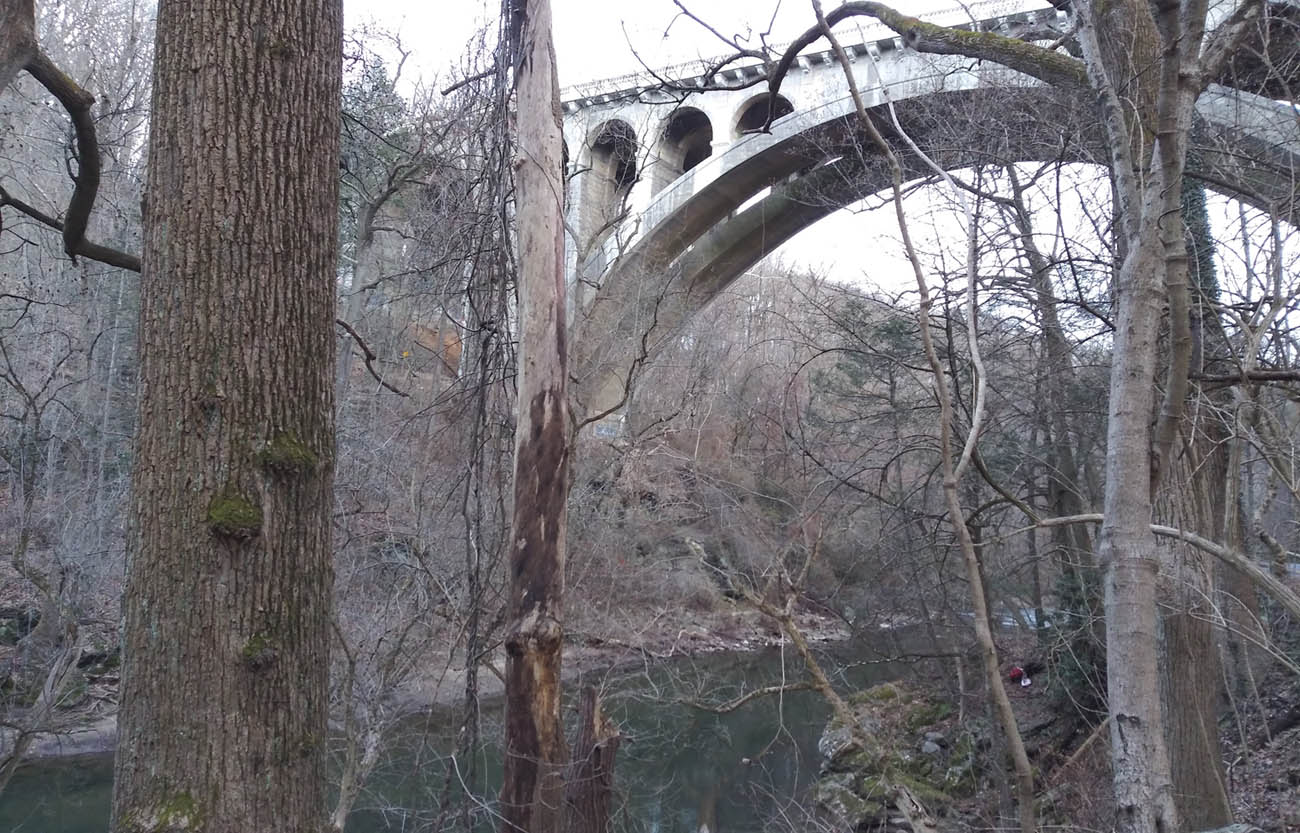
x=678, y=767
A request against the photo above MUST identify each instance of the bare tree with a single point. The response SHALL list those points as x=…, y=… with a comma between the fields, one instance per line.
x=532, y=793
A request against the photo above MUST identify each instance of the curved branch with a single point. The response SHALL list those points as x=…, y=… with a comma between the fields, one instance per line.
x=1275, y=587
x=368, y=356
x=1033, y=60
x=77, y=102
x=93, y=251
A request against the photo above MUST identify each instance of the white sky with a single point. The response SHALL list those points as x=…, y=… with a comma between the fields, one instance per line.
x=592, y=37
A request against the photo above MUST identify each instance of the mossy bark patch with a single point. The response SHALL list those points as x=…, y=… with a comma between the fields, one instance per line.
x=232, y=515
x=286, y=453
x=259, y=651
x=178, y=813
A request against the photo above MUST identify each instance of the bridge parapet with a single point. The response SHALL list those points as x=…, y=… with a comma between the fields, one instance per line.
x=983, y=15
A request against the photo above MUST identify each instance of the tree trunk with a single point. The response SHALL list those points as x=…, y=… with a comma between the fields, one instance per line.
x=17, y=37
x=1192, y=497
x=365, y=269
x=1140, y=761
x=532, y=791
x=224, y=696
x=1139, y=58
x=590, y=785
x=1192, y=675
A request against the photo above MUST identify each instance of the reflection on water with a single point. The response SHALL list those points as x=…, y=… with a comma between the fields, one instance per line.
x=680, y=768
x=70, y=794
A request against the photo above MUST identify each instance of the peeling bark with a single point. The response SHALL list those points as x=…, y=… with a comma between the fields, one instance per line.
x=532, y=791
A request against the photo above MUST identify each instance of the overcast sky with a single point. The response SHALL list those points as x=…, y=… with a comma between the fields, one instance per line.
x=592, y=37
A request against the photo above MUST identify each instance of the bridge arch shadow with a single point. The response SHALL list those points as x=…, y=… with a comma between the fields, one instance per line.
x=685, y=141
x=610, y=156
x=753, y=115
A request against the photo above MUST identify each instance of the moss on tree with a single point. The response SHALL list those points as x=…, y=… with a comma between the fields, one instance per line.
x=178, y=813
x=286, y=453
x=232, y=515
x=259, y=651
x=863, y=778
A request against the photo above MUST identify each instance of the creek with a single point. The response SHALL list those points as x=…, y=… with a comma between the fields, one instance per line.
x=679, y=767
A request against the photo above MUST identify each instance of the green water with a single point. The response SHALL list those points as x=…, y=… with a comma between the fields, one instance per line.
x=678, y=766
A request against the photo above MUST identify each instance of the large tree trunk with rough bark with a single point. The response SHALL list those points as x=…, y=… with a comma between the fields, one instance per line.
x=1191, y=497
x=223, y=718
x=532, y=793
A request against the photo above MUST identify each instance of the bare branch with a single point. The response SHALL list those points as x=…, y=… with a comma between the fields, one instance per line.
x=1044, y=64
x=1275, y=587
x=92, y=251
x=465, y=82
x=1247, y=377
x=369, y=356
x=77, y=102
x=765, y=691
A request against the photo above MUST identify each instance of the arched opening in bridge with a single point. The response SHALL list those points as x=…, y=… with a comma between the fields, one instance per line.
x=611, y=173
x=753, y=115
x=687, y=141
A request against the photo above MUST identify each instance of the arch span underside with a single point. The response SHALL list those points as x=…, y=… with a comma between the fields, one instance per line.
x=696, y=239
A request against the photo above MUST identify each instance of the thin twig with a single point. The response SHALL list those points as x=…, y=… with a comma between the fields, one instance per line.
x=765, y=691
x=369, y=356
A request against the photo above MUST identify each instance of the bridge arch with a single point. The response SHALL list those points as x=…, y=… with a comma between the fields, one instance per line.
x=701, y=231
x=685, y=141
x=752, y=116
x=1245, y=147
x=611, y=169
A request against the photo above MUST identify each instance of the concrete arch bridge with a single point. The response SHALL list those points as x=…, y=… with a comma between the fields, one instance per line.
x=672, y=196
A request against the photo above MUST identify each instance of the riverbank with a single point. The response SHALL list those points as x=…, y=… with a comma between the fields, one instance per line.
x=690, y=753
x=92, y=730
